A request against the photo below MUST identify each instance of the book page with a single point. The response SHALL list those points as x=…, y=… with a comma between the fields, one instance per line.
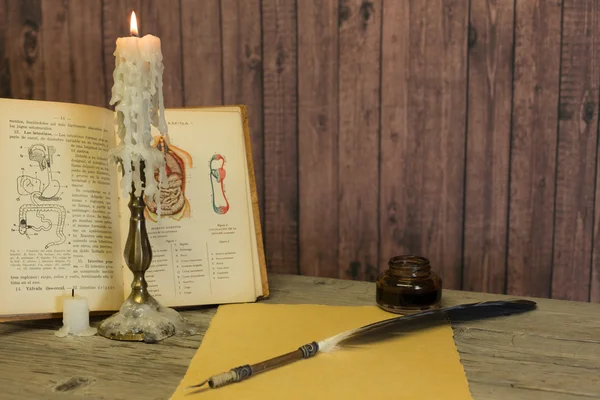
x=202, y=243
x=59, y=209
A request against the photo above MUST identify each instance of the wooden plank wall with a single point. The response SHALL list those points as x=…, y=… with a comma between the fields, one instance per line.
x=464, y=131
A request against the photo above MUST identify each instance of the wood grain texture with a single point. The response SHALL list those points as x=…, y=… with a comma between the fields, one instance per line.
x=164, y=18
x=280, y=90
x=488, y=145
x=577, y=141
x=358, y=151
x=528, y=171
x=116, y=16
x=201, y=52
x=73, y=52
x=58, y=58
x=533, y=147
x=422, y=176
x=555, y=355
x=318, y=122
x=5, y=90
x=511, y=391
x=595, y=272
x=394, y=178
x=243, y=75
x=24, y=49
x=85, y=33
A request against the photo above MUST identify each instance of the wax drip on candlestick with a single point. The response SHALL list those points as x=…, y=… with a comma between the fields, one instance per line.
x=138, y=98
x=137, y=93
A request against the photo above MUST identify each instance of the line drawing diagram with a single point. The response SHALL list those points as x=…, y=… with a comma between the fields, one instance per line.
x=42, y=193
x=217, y=176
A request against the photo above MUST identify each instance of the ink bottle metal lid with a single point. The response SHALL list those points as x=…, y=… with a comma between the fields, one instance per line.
x=409, y=286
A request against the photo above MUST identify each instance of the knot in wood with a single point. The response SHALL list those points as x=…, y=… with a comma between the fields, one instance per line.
x=72, y=384
x=30, y=31
x=589, y=109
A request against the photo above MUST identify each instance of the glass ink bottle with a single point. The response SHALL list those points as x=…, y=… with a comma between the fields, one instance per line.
x=409, y=286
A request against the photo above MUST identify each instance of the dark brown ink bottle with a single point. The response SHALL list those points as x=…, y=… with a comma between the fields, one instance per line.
x=409, y=286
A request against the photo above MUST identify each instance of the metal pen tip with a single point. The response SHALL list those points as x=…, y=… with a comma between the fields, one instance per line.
x=196, y=386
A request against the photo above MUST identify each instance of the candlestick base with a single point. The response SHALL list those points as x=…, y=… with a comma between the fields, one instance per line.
x=141, y=317
x=147, y=322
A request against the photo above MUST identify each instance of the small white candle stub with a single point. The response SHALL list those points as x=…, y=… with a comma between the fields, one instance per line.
x=137, y=93
x=76, y=318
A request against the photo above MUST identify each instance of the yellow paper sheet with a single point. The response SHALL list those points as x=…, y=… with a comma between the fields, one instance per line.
x=424, y=365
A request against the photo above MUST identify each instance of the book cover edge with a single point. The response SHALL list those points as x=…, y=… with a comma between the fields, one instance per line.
x=255, y=203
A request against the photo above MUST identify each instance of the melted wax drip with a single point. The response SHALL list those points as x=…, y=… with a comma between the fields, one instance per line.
x=137, y=93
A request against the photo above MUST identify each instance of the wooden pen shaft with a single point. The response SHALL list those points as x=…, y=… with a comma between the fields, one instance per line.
x=246, y=371
x=275, y=362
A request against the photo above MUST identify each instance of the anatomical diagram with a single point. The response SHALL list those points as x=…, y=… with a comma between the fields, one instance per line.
x=217, y=178
x=42, y=213
x=173, y=201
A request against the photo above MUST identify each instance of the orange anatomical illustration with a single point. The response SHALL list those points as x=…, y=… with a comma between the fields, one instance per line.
x=173, y=201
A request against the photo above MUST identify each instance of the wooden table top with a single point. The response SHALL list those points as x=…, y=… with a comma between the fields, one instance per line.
x=552, y=353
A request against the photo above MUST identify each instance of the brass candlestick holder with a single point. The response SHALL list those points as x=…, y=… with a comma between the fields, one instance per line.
x=141, y=317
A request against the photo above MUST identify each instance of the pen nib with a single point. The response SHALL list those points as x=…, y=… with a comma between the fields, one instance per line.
x=196, y=386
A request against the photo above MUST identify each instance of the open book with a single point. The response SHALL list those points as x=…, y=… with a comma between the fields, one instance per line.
x=65, y=218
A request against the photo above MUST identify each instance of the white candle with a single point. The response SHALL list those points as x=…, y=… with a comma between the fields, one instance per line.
x=76, y=317
x=137, y=93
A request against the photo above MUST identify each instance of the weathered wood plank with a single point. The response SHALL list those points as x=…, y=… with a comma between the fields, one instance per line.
x=479, y=346
x=163, y=18
x=85, y=33
x=24, y=49
x=573, y=329
x=280, y=91
x=488, y=145
x=62, y=360
x=359, y=90
x=533, y=147
x=595, y=274
x=423, y=151
x=577, y=141
x=116, y=16
x=4, y=62
x=57, y=51
x=523, y=346
x=73, y=52
x=395, y=131
x=202, y=57
x=294, y=290
x=488, y=391
x=243, y=76
x=532, y=375
x=318, y=137
x=501, y=362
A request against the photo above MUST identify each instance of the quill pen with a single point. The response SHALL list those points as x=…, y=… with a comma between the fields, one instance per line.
x=373, y=333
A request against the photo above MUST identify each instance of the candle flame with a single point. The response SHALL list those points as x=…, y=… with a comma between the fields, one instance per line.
x=133, y=28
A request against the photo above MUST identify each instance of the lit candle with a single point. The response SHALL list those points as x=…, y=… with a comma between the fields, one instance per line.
x=137, y=93
x=76, y=317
